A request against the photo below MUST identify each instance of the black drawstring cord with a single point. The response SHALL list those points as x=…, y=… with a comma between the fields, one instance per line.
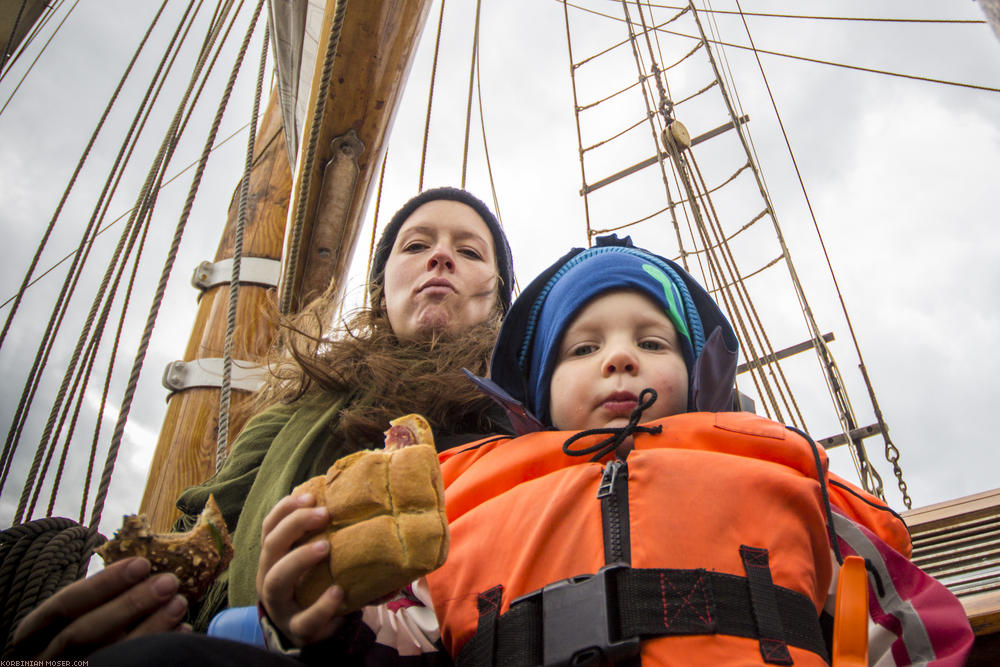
x=617, y=435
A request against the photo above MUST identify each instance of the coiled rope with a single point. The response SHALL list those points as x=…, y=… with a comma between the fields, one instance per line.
x=37, y=559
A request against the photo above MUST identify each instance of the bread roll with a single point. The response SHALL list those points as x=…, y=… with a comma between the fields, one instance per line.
x=387, y=520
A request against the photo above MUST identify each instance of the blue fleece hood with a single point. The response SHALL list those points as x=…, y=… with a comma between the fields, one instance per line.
x=524, y=356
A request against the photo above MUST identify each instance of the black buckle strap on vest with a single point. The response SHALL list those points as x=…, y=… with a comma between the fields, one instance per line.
x=488, y=605
x=637, y=603
x=569, y=622
x=764, y=604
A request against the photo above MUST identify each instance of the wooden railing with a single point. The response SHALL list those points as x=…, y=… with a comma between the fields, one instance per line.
x=958, y=543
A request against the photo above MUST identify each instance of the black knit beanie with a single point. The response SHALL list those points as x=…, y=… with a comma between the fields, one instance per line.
x=505, y=264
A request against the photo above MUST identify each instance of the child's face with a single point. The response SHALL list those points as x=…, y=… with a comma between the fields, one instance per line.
x=619, y=344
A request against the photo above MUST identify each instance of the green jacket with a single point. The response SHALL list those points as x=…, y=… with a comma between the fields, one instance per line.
x=277, y=450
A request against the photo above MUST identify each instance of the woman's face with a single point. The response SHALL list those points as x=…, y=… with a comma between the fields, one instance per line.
x=441, y=275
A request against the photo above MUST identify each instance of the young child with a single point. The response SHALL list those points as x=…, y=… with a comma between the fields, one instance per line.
x=636, y=516
x=714, y=537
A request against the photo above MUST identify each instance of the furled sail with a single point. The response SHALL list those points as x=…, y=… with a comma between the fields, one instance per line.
x=295, y=25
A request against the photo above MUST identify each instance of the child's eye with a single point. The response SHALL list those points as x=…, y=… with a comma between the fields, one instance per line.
x=651, y=345
x=582, y=350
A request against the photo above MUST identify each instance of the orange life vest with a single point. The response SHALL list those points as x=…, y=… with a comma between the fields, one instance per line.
x=702, y=494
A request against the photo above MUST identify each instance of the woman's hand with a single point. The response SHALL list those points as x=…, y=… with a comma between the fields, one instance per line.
x=120, y=602
x=280, y=568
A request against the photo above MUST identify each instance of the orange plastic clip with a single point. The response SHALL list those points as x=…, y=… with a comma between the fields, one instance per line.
x=850, y=623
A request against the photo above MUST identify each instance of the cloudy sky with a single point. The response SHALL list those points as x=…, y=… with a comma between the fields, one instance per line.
x=901, y=175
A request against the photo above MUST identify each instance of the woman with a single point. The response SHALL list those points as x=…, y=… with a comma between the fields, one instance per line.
x=440, y=282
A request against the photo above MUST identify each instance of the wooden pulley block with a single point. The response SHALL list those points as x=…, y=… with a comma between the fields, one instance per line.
x=677, y=134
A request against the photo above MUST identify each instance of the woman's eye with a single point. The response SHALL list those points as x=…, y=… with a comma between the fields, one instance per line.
x=415, y=246
x=470, y=253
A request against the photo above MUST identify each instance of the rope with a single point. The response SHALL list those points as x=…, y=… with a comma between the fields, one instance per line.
x=322, y=90
x=427, y=122
x=44, y=349
x=616, y=135
x=486, y=153
x=172, y=252
x=468, y=106
x=576, y=116
x=13, y=31
x=76, y=173
x=39, y=55
x=234, y=280
x=111, y=224
x=127, y=242
x=156, y=188
x=616, y=436
x=821, y=18
x=130, y=232
x=37, y=559
x=812, y=214
x=914, y=77
x=624, y=41
x=378, y=206
x=763, y=340
x=611, y=96
x=665, y=108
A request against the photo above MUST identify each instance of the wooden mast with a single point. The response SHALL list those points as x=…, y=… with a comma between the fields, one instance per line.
x=185, y=452
x=375, y=49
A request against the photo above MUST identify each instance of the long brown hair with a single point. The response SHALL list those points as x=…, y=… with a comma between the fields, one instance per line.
x=385, y=377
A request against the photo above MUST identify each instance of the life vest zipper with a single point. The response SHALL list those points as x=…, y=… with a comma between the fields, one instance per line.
x=613, y=494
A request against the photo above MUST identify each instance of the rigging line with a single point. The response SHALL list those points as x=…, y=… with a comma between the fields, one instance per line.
x=818, y=61
x=717, y=276
x=468, y=106
x=100, y=412
x=76, y=173
x=744, y=294
x=222, y=439
x=812, y=213
x=167, y=269
x=83, y=374
x=430, y=99
x=40, y=24
x=624, y=41
x=76, y=268
x=824, y=18
x=859, y=68
x=653, y=119
x=618, y=134
x=378, y=205
x=681, y=169
x=13, y=31
x=576, y=117
x=93, y=448
x=39, y=55
x=731, y=80
x=696, y=93
x=486, y=153
x=58, y=312
x=125, y=213
x=129, y=232
x=799, y=292
x=707, y=225
x=309, y=157
x=593, y=104
x=154, y=194
x=36, y=29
